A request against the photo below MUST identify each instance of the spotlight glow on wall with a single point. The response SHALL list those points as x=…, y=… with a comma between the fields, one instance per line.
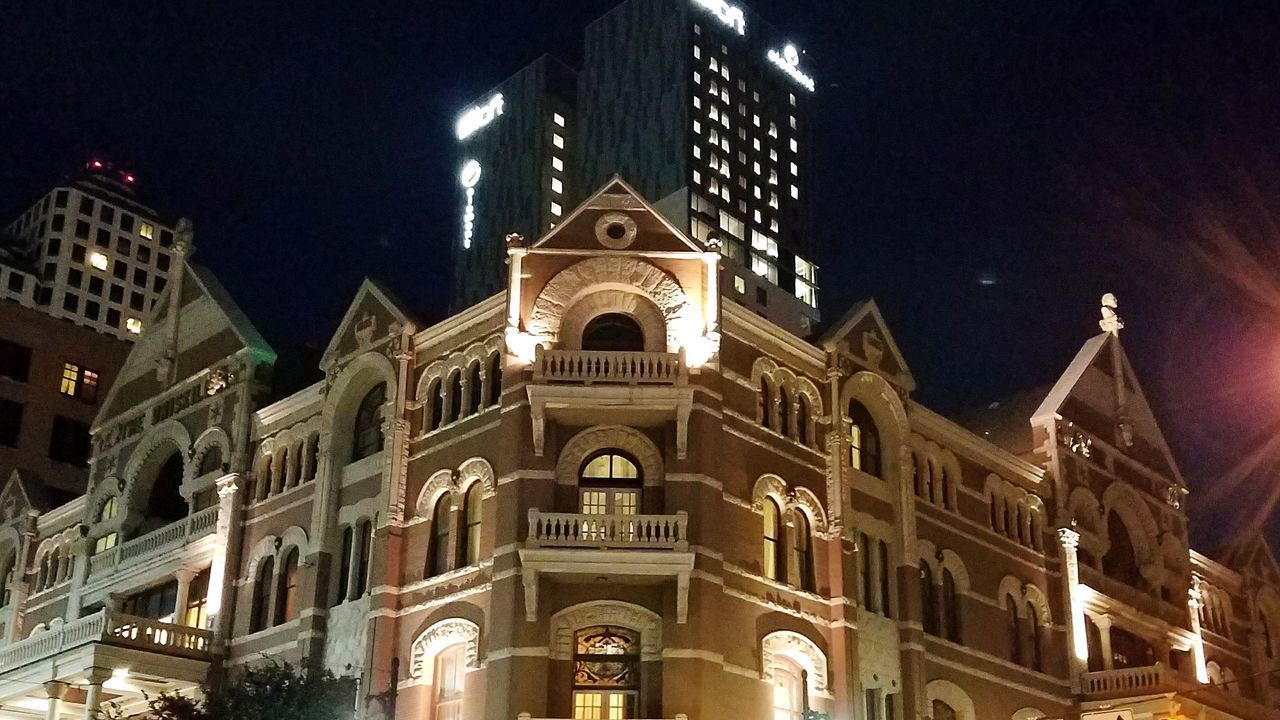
x=469, y=178
x=731, y=16
x=478, y=116
x=789, y=61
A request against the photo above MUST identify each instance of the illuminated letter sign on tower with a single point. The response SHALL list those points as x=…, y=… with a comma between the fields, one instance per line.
x=469, y=178
x=478, y=116
x=728, y=14
x=789, y=61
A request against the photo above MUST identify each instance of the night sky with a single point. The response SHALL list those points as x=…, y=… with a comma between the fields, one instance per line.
x=985, y=170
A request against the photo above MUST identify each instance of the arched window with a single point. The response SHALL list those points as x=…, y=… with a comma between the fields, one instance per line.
x=1268, y=640
x=7, y=572
x=606, y=673
x=447, y=682
x=788, y=690
x=917, y=475
x=1015, y=629
x=868, y=584
x=109, y=510
x=1033, y=629
x=613, y=331
x=287, y=593
x=784, y=411
x=469, y=546
x=166, y=502
x=455, y=396
x=475, y=388
x=950, y=607
x=928, y=600
x=211, y=461
x=434, y=415
x=773, y=567
x=946, y=489
x=313, y=457
x=943, y=711
x=495, y=380
x=344, y=566
x=803, y=536
x=864, y=440
x=766, y=403
x=609, y=483
x=364, y=540
x=261, y=609
x=1120, y=561
x=802, y=419
x=367, y=437
x=438, y=555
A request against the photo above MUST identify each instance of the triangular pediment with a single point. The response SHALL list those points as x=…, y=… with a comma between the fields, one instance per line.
x=1252, y=558
x=863, y=337
x=370, y=319
x=210, y=328
x=617, y=218
x=1086, y=395
x=14, y=500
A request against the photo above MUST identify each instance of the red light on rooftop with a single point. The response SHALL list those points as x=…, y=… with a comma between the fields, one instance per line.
x=128, y=178
x=97, y=164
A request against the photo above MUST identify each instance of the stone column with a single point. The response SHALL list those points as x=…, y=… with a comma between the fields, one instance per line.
x=1103, y=622
x=1077, y=637
x=93, y=697
x=184, y=577
x=56, y=690
x=225, y=565
x=1194, y=600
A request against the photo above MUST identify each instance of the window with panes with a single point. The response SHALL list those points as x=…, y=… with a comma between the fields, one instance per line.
x=609, y=484
x=606, y=674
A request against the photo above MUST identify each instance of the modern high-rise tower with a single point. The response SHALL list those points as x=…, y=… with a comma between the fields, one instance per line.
x=701, y=104
x=514, y=156
x=698, y=103
x=101, y=257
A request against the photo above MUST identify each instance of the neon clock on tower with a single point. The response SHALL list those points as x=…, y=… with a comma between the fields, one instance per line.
x=469, y=178
x=732, y=16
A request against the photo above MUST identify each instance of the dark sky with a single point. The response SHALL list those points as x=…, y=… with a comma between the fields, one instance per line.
x=1061, y=149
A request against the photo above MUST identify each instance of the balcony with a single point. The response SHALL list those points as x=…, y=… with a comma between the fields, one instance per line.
x=582, y=548
x=638, y=389
x=107, y=564
x=606, y=366
x=1109, y=684
x=527, y=716
x=109, y=628
x=604, y=532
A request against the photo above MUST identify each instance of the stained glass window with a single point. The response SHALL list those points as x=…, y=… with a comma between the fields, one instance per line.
x=606, y=674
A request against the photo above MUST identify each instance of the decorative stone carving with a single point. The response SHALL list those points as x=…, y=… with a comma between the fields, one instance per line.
x=616, y=230
x=797, y=648
x=439, y=636
x=626, y=439
x=364, y=329
x=572, y=282
x=567, y=622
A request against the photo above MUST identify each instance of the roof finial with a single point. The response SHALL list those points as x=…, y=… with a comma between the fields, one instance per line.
x=1111, y=322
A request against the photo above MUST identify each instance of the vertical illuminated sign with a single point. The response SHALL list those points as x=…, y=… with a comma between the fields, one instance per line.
x=469, y=178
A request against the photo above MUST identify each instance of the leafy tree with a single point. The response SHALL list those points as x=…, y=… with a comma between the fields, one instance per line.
x=274, y=691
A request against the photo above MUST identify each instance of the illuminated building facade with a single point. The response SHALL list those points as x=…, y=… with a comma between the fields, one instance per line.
x=102, y=257
x=515, y=155
x=700, y=104
x=615, y=491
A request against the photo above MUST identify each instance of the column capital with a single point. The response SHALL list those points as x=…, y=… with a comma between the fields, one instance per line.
x=1068, y=538
x=98, y=675
x=185, y=575
x=228, y=485
x=56, y=689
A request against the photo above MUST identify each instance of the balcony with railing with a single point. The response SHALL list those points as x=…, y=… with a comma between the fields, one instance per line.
x=584, y=547
x=175, y=535
x=109, y=627
x=609, y=366
x=1148, y=680
x=580, y=530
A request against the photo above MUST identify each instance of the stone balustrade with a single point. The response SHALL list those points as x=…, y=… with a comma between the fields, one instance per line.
x=632, y=532
x=601, y=366
x=168, y=537
x=112, y=628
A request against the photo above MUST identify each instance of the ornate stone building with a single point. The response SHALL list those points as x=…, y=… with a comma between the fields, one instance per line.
x=610, y=492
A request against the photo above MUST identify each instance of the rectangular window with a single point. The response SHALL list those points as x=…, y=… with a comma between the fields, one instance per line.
x=16, y=282
x=70, y=379
x=873, y=704
x=96, y=284
x=144, y=253
x=731, y=225
x=885, y=572
x=58, y=223
x=166, y=238
x=806, y=293
x=739, y=284
x=557, y=164
x=558, y=119
x=15, y=361
x=70, y=302
x=60, y=199
x=558, y=140
x=69, y=441
x=82, y=229
x=133, y=325
x=126, y=222
x=557, y=187
x=146, y=230
x=10, y=422
x=106, y=213
x=86, y=206
x=556, y=209
x=868, y=587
